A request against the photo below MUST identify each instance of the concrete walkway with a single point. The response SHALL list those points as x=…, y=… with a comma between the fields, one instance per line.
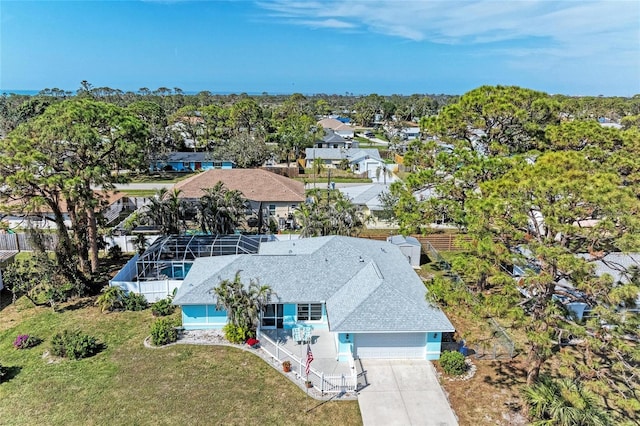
x=403, y=392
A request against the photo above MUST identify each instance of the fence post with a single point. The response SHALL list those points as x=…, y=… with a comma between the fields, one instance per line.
x=322, y=382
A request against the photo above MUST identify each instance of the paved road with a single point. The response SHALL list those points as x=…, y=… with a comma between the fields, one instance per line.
x=403, y=392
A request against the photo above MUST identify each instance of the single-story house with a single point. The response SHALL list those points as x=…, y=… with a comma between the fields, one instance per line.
x=360, y=160
x=410, y=133
x=338, y=127
x=270, y=195
x=364, y=292
x=190, y=161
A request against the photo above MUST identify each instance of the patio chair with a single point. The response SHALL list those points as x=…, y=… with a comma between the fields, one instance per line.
x=297, y=334
x=307, y=333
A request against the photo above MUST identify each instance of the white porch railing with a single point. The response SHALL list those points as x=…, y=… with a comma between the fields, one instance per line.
x=325, y=383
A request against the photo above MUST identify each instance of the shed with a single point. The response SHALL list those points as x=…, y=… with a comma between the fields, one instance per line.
x=6, y=257
x=409, y=246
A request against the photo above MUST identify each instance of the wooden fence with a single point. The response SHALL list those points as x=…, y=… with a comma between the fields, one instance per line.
x=22, y=242
x=441, y=242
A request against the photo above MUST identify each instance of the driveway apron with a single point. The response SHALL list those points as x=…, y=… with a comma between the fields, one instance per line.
x=403, y=392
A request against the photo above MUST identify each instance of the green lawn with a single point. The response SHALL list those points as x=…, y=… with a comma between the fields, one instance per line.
x=165, y=177
x=129, y=384
x=139, y=192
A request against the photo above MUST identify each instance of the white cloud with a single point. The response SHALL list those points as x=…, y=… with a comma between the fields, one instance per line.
x=327, y=23
x=577, y=28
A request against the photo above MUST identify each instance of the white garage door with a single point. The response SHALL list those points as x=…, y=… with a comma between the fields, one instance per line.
x=390, y=345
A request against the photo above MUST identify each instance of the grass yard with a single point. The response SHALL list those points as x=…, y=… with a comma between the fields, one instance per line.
x=129, y=384
x=139, y=192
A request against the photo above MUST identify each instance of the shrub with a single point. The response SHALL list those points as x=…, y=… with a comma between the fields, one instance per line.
x=115, y=252
x=163, y=332
x=24, y=341
x=74, y=345
x=134, y=302
x=162, y=308
x=453, y=363
x=111, y=298
x=236, y=334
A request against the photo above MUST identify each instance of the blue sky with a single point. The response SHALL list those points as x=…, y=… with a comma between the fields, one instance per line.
x=573, y=47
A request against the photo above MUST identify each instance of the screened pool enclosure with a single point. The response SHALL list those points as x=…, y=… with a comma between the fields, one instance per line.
x=161, y=268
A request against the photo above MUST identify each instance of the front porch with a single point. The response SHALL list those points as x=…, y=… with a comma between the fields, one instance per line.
x=323, y=347
x=326, y=373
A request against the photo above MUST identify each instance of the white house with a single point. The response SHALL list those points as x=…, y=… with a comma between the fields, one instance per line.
x=338, y=127
x=360, y=160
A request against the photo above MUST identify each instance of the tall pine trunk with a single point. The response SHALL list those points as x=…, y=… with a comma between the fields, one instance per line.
x=92, y=234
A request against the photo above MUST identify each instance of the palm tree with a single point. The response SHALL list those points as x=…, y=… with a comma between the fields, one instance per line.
x=563, y=402
x=166, y=210
x=110, y=299
x=384, y=171
x=220, y=210
x=243, y=304
x=337, y=216
x=318, y=167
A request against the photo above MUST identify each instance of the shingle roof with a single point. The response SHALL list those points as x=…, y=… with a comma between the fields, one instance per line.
x=367, y=195
x=339, y=153
x=330, y=123
x=367, y=285
x=255, y=185
x=187, y=157
x=616, y=264
x=331, y=137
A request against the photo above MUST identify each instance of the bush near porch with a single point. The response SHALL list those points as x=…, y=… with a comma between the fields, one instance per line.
x=178, y=384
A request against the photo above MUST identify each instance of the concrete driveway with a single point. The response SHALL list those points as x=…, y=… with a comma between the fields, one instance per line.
x=403, y=392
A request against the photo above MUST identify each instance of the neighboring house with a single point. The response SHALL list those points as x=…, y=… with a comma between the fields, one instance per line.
x=190, y=161
x=111, y=206
x=367, y=198
x=410, y=133
x=360, y=160
x=338, y=127
x=270, y=195
x=618, y=265
x=364, y=292
x=621, y=267
x=607, y=122
x=188, y=128
x=330, y=140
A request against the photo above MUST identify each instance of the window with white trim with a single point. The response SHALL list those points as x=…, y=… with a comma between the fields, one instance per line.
x=309, y=311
